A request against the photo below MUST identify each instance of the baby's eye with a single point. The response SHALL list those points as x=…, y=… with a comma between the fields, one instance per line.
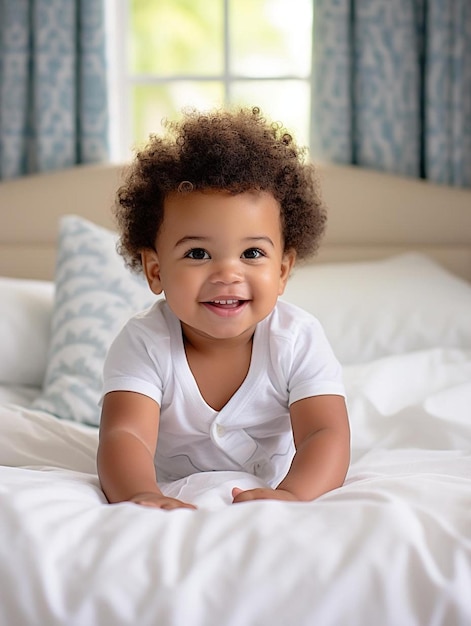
x=199, y=254
x=253, y=253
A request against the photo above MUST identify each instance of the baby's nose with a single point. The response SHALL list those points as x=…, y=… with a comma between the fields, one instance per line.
x=227, y=271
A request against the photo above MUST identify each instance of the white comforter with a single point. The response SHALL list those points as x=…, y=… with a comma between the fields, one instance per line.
x=391, y=547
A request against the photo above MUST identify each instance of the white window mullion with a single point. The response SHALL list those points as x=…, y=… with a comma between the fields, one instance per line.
x=227, y=53
x=119, y=80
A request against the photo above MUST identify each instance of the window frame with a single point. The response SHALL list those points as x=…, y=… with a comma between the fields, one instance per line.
x=121, y=81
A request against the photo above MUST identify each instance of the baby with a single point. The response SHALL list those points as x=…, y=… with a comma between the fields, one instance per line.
x=220, y=375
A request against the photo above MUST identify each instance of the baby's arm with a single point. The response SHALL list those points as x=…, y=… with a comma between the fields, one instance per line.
x=128, y=439
x=322, y=439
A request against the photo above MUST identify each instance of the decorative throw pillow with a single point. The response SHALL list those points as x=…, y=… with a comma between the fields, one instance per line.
x=95, y=295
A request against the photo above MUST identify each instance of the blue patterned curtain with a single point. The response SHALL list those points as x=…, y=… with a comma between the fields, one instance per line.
x=392, y=87
x=53, y=97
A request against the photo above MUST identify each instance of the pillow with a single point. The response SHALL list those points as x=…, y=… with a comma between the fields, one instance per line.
x=378, y=308
x=95, y=295
x=25, y=317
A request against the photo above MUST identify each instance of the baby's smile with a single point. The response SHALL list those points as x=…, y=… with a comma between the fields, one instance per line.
x=225, y=302
x=225, y=307
x=229, y=303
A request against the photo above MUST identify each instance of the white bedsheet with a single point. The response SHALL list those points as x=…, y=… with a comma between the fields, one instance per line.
x=18, y=394
x=390, y=548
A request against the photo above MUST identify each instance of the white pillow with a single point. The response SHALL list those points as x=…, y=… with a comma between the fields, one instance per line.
x=378, y=308
x=95, y=295
x=25, y=317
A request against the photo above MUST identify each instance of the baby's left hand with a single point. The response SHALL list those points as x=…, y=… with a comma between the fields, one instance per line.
x=261, y=493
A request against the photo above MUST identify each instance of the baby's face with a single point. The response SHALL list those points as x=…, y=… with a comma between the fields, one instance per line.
x=220, y=261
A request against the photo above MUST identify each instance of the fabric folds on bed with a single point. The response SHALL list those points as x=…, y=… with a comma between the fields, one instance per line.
x=391, y=547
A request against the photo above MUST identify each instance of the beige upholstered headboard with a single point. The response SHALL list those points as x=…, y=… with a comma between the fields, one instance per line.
x=371, y=215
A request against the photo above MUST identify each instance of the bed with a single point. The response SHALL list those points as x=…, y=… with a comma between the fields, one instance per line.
x=392, y=547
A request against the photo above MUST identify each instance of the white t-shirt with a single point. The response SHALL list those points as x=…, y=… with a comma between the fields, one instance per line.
x=291, y=360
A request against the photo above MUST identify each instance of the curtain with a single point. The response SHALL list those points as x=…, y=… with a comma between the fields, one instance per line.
x=392, y=86
x=53, y=96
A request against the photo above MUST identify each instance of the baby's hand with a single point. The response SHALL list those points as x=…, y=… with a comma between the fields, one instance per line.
x=159, y=501
x=261, y=493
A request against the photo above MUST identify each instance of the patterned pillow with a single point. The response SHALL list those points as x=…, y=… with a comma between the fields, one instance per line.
x=95, y=295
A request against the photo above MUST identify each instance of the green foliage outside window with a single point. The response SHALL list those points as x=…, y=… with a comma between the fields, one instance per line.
x=177, y=59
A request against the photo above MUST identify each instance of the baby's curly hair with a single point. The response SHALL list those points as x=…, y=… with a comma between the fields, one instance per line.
x=235, y=151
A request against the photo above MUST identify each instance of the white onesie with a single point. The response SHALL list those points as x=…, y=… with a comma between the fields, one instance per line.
x=291, y=360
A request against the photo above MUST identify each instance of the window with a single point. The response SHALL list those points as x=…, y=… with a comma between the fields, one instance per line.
x=171, y=54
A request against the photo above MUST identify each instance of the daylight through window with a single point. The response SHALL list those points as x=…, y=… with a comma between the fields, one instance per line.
x=172, y=54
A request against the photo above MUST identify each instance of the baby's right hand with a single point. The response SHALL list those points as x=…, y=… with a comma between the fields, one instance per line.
x=159, y=501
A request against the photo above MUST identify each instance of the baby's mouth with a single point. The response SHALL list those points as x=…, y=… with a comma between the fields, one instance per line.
x=226, y=304
x=226, y=307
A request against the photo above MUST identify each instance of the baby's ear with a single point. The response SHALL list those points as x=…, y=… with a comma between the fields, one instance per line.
x=151, y=267
x=287, y=264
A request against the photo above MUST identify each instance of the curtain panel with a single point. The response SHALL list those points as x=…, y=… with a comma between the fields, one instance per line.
x=53, y=93
x=392, y=86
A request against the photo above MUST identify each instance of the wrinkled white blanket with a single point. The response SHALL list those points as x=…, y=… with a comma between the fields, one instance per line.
x=391, y=547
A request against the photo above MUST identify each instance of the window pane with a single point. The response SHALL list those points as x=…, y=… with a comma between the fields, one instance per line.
x=169, y=37
x=153, y=103
x=270, y=37
x=282, y=101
